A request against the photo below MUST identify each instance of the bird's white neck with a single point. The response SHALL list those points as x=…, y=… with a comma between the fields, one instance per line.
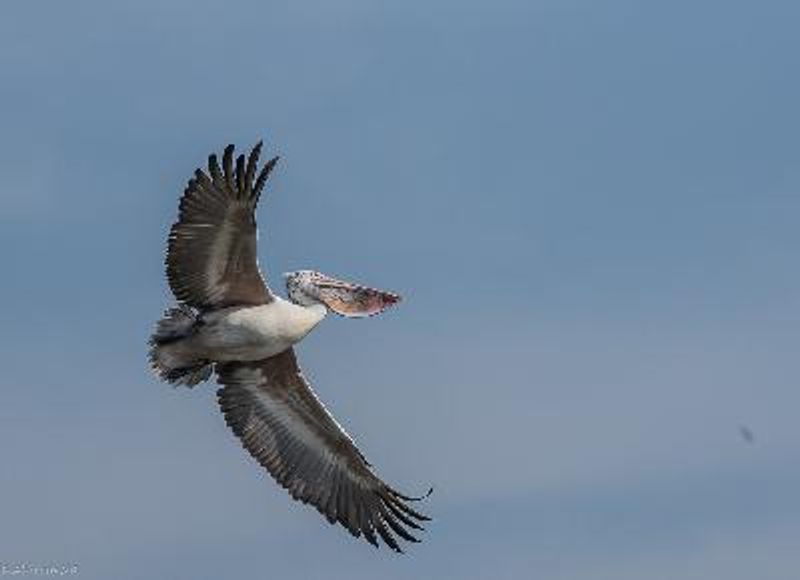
x=306, y=317
x=316, y=312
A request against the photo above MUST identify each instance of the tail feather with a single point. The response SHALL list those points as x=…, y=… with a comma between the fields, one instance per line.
x=188, y=375
x=176, y=324
x=170, y=360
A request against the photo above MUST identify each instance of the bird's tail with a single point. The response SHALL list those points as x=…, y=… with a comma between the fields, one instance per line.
x=169, y=357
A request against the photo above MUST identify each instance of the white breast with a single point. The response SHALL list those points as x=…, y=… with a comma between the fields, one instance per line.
x=256, y=332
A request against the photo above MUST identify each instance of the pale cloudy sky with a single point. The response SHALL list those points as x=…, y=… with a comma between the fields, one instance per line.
x=591, y=209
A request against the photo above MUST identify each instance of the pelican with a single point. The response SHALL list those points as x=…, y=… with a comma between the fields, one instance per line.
x=229, y=322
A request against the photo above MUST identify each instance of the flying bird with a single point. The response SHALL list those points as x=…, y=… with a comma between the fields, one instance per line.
x=230, y=323
x=747, y=434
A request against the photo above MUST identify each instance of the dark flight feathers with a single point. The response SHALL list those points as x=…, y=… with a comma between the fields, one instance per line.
x=211, y=257
x=280, y=421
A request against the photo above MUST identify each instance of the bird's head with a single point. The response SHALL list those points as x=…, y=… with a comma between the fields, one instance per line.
x=307, y=287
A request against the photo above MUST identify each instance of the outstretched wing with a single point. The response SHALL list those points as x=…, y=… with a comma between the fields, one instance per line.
x=272, y=409
x=211, y=257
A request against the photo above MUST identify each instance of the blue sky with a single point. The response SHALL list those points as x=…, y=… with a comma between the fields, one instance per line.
x=591, y=209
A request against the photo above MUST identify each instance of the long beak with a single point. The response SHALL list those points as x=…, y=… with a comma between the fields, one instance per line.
x=352, y=300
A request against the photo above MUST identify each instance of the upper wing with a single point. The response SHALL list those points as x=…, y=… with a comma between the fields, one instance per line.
x=272, y=409
x=211, y=258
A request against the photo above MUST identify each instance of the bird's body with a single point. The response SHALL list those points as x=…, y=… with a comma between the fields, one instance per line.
x=230, y=323
x=257, y=332
x=247, y=333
